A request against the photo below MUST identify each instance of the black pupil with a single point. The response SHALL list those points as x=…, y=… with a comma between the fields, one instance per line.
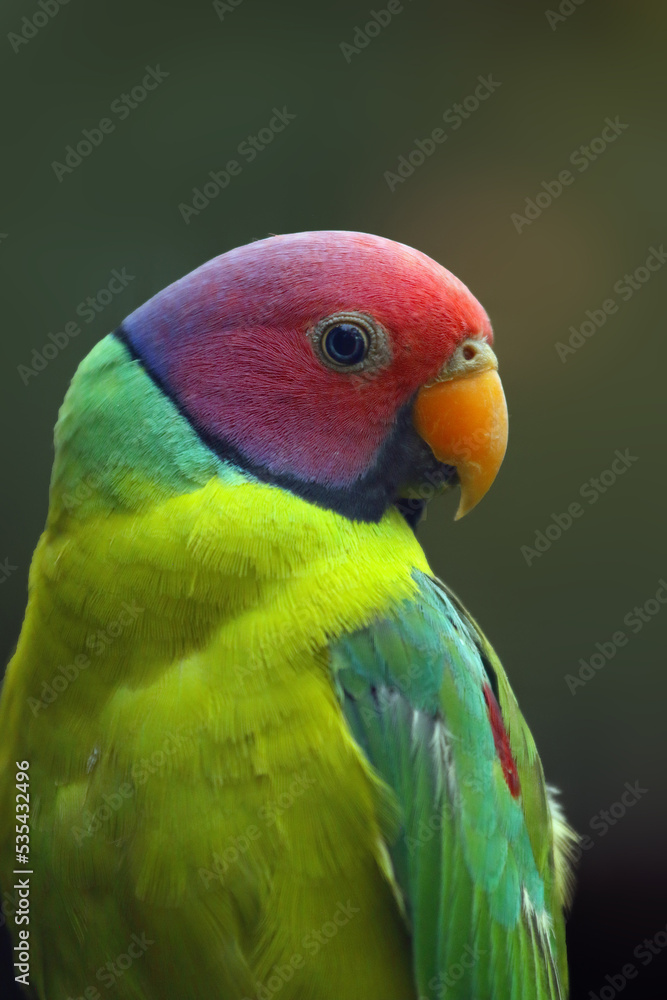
x=345, y=344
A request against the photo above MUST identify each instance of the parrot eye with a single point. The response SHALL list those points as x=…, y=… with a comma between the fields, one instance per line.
x=350, y=342
x=345, y=344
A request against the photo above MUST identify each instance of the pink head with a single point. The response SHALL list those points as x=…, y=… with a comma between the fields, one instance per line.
x=243, y=345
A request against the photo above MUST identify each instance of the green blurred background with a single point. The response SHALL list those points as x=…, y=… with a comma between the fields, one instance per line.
x=559, y=80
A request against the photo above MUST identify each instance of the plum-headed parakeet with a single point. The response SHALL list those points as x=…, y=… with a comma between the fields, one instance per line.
x=265, y=752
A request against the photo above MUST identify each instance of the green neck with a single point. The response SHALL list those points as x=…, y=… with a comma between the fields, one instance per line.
x=121, y=443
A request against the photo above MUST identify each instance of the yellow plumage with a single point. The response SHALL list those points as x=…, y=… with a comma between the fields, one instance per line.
x=196, y=779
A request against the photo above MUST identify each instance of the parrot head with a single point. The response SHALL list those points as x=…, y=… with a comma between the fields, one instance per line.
x=352, y=370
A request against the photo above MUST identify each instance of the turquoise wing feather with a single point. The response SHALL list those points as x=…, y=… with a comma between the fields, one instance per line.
x=481, y=857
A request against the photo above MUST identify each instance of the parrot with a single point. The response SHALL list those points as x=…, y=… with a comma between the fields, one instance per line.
x=251, y=747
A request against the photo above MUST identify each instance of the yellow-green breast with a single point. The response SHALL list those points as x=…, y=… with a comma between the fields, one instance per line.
x=192, y=774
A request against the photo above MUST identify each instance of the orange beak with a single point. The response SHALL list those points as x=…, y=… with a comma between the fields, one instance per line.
x=463, y=419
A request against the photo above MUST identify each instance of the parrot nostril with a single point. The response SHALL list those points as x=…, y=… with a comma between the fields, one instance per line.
x=469, y=353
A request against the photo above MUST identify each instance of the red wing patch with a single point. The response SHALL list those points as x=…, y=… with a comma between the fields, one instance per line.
x=502, y=743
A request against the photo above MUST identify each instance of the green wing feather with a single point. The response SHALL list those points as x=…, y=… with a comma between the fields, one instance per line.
x=481, y=870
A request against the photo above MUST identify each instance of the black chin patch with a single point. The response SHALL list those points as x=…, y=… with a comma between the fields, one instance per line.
x=434, y=481
x=412, y=511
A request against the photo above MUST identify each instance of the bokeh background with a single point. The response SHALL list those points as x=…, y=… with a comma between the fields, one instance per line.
x=557, y=77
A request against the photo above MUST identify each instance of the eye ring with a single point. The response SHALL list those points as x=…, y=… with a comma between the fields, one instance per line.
x=345, y=344
x=349, y=342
